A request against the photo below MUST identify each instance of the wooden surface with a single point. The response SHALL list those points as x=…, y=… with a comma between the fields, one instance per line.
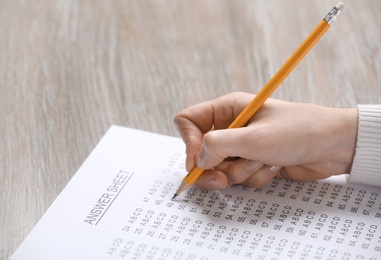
x=69, y=69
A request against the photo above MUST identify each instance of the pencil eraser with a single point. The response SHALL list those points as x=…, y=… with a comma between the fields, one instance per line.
x=341, y=6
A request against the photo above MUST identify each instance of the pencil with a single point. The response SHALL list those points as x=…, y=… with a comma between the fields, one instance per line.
x=270, y=87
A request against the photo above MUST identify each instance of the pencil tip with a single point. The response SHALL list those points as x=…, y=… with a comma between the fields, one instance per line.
x=174, y=196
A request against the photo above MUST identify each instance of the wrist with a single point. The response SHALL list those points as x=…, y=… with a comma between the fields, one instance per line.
x=343, y=139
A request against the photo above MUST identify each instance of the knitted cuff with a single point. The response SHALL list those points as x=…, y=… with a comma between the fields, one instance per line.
x=366, y=167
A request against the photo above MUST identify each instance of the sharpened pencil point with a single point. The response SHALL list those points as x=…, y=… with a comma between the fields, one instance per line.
x=174, y=196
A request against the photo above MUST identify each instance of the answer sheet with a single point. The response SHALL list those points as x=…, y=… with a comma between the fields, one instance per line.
x=118, y=206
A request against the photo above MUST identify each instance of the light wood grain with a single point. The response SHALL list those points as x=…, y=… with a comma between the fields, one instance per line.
x=69, y=69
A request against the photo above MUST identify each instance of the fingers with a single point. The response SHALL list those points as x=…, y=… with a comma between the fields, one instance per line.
x=248, y=173
x=239, y=170
x=261, y=177
x=192, y=123
x=237, y=142
x=192, y=135
x=192, y=138
x=212, y=180
x=217, y=114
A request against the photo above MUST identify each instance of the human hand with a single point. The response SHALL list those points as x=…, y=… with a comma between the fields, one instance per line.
x=297, y=141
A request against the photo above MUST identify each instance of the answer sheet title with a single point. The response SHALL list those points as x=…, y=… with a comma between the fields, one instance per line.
x=108, y=197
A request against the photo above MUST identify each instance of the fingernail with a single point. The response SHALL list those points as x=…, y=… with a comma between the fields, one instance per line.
x=253, y=166
x=215, y=184
x=189, y=164
x=275, y=169
x=201, y=159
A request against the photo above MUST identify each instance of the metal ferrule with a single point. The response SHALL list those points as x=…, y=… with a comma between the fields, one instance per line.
x=332, y=16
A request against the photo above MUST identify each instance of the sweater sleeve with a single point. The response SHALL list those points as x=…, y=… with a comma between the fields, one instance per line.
x=366, y=167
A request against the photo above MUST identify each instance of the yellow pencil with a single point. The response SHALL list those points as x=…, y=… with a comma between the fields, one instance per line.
x=274, y=82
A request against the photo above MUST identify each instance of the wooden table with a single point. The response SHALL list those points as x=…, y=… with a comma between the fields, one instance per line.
x=69, y=69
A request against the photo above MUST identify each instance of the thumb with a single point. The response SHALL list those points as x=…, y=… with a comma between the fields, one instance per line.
x=219, y=144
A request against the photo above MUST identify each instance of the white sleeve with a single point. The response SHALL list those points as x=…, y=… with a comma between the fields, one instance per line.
x=366, y=167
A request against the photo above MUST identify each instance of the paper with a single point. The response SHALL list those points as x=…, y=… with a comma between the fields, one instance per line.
x=118, y=206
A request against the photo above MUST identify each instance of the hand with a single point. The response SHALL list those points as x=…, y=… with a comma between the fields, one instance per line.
x=297, y=141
